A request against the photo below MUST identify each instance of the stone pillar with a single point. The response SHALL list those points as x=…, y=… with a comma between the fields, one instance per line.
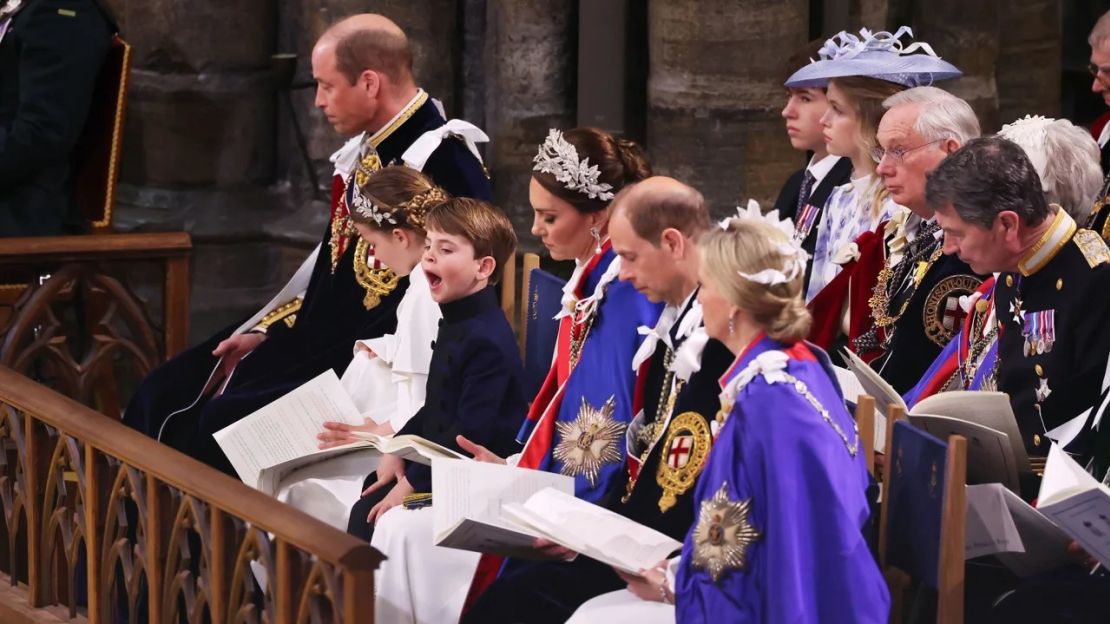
x=1029, y=67
x=966, y=34
x=715, y=92
x=530, y=63
x=198, y=147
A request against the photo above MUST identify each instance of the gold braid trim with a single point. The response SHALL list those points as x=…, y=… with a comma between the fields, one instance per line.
x=377, y=282
x=286, y=312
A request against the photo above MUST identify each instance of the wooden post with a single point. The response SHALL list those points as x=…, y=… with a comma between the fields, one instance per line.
x=508, y=290
x=865, y=422
x=35, y=472
x=155, y=558
x=531, y=261
x=358, y=602
x=218, y=592
x=176, y=305
x=284, y=590
x=950, y=576
x=94, y=532
x=894, y=414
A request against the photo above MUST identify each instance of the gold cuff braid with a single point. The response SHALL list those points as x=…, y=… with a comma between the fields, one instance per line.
x=286, y=313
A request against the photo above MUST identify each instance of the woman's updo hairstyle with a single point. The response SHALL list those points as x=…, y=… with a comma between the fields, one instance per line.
x=395, y=196
x=619, y=162
x=749, y=246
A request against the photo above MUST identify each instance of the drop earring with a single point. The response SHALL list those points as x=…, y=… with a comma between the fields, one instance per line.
x=596, y=233
x=731, y=324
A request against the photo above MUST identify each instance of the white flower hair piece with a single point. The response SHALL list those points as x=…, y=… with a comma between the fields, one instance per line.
x=1030, y=133
x=370, y=210
x=794, y=257
x=559, y=158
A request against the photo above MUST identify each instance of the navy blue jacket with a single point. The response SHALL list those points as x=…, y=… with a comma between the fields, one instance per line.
x=475, y=383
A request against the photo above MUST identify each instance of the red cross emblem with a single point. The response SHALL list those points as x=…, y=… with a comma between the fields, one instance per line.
x=953, y=316
x=679, y=453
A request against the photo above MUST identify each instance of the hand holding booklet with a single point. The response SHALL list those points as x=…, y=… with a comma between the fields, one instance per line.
x=1077, y=503
x=500, y=509
x=281, y=437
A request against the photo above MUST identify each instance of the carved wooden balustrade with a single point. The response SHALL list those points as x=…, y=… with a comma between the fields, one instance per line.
x=102, y=524
x=71, y=324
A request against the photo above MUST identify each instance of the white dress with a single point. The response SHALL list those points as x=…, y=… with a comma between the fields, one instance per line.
x=388, y=387
x=620, y=607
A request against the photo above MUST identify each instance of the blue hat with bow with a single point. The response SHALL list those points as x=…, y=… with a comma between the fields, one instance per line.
x=879, y=55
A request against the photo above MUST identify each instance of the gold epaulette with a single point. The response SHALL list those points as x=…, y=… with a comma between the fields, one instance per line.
x=285, y=313
x=1092, y=246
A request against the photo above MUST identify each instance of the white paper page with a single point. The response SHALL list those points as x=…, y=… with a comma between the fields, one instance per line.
x=1062, y=478
x=990, y=527
x=286, y=428
x=478, y=491
x=1046, y=545
x=595, y=531
x=990, y=409
x=990, y=457
x=873, y=384
x=852, y=389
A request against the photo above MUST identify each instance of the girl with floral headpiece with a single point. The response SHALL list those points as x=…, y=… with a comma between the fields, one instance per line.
x=387, y=377
x=860, y=73
x=781, y=500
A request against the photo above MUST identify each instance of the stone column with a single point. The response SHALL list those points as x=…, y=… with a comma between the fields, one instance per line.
x=529, y=63
x=715, y=92
x=966, y=34
x=199, y=144
x=1028, y=73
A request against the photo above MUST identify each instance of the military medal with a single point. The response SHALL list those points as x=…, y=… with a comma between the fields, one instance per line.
x=1043, y=390
x=723, y=534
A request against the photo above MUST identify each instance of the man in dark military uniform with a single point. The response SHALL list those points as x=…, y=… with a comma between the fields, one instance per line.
x=1051, y=296
x=339, y=294
x=51, y=52
x=654, y=230
x=914, y=306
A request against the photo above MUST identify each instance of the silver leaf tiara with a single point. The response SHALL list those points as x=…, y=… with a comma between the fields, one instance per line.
x=370, y=210
x=559, y=158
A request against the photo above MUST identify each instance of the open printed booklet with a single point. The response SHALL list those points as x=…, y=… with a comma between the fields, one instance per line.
x=502, y=510
x=995, y=454
x=1077, y=503
x=274, y=441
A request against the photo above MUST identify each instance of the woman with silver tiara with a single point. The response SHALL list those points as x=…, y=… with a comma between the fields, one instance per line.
x=860, y=73
x=760, y=550
x=576, y=175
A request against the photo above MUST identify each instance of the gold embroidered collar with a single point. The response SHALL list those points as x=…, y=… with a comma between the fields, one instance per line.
x=400, y=118
x=1055, y=237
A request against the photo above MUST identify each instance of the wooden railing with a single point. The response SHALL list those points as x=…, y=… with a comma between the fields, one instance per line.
x=67, y=320
x=115, y=527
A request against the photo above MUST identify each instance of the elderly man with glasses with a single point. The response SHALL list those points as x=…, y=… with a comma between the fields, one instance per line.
x=1099, y=67
x=900, y=291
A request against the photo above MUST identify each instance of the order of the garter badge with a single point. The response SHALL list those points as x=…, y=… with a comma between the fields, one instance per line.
x=723, y=534
x=686, y=447
x=590, y=441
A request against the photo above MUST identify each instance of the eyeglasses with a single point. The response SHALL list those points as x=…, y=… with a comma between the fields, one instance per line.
x=1101, y=74
x=898, y=154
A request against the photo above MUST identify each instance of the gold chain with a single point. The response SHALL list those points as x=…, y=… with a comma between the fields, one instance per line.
x=880, y=297
x=377, y=282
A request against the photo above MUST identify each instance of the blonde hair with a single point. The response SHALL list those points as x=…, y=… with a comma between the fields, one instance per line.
x=750, y=246
x=402, y=193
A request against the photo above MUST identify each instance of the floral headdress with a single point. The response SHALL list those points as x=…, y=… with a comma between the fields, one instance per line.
x=880, y=55
x=559, y=158
x=407, y=214
x=793, y=256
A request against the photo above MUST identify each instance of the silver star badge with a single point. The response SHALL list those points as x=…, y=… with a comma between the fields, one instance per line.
x=1015, y=309
x=590, y=441
x=723, y=534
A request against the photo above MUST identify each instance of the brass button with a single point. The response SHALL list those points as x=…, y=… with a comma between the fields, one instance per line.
x=1060, y=284
x=1010, y=280
x=1036, y=440
x=1040, y=371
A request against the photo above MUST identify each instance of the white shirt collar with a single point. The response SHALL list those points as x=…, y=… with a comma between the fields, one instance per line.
x=821, y=168
x=1104, y=136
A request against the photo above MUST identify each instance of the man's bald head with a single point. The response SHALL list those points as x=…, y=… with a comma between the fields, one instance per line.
x=369, y=41
x=659, y=203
